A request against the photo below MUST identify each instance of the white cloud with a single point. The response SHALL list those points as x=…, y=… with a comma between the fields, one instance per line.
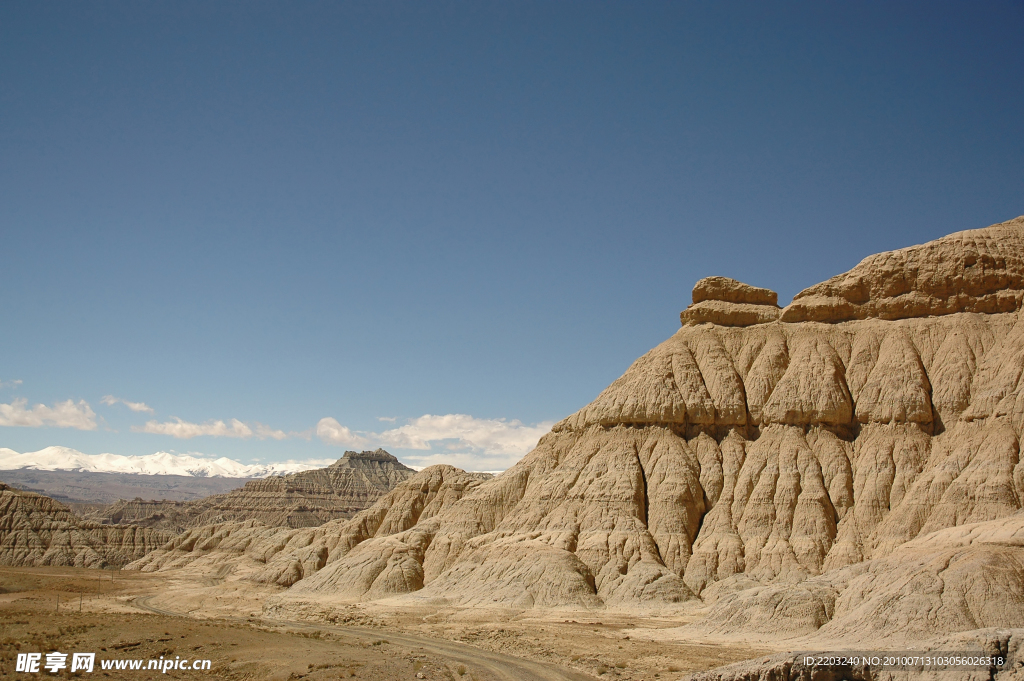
x=332, y=432
x=67, y=414
x=493, y=444
x=387, y=419
x=493, y=436
x=468, y=461
x=265, y=432
x=110, y=400
x=185, y=430
x=10, y=384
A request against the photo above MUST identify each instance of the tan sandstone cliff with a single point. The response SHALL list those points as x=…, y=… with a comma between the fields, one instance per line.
x=773, y=462
x=36, y=530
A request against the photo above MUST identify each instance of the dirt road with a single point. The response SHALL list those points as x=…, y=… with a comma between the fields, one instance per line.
x=503, y=667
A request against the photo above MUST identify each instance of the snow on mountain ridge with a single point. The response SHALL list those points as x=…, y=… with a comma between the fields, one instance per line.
x=159, y=463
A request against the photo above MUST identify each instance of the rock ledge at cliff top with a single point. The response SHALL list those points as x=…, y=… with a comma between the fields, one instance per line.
x=978, y=270
x=727, y=302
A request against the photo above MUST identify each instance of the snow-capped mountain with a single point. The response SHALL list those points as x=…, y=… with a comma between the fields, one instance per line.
x=160, y=463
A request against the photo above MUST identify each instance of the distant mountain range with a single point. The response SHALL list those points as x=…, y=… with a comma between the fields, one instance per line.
x=160, y=463
x=303, y=499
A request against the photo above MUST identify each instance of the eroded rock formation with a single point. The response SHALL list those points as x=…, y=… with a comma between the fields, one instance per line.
x=282, y=555
x=36, y=530
x=305, y=499
x=724, y=301
x=776, y=468
x=980, y=270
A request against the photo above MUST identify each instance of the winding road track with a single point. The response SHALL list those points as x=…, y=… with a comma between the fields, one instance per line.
x=503, y=667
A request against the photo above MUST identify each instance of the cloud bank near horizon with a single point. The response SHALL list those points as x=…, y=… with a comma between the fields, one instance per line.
x=463, y=440
x=66, y=414
x=456, y=439
x=159, y=463
x=186, y=430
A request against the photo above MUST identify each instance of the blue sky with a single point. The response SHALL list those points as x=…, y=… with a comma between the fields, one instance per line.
x=279, y=213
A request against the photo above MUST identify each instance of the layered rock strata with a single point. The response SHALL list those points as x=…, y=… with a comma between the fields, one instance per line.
x=955, y=579
x=305, y=499
x=36, y=531
x=979, y=270
x=762, y=463
x=727, y=302
x=282, y=556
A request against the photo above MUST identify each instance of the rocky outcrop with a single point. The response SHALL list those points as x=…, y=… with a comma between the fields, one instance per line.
x=305, y=499
x=955, y=579
x=36, y=531
x=282, y=556
x=727, y=302
x=778, y=471
x=169, y=515
x=732, y=291
x=980, y=270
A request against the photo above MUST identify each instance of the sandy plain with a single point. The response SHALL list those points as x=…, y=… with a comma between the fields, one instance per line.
x=130, y=615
